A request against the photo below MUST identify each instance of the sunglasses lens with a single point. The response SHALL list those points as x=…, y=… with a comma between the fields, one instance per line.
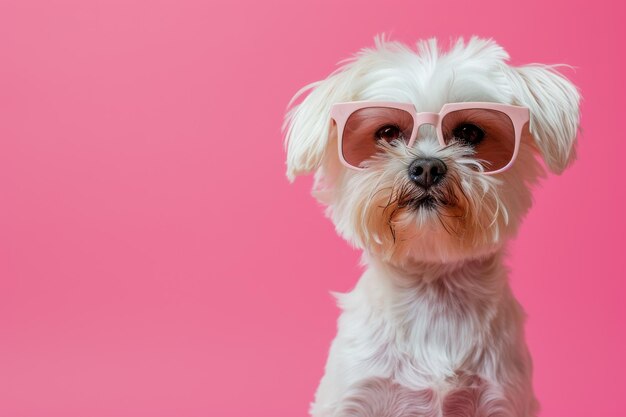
x=367, y=127
x=489, y=132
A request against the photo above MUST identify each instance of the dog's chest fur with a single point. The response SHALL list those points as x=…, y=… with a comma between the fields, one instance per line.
x=433, y=345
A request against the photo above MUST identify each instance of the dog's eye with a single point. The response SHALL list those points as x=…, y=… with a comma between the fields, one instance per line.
x=468, y=133
x=389, y=133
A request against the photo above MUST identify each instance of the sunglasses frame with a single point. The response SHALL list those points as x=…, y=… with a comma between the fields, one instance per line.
x=520, y=116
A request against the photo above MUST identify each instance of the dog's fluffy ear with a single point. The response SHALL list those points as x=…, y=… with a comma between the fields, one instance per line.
x=554, y=117
x=308, y=124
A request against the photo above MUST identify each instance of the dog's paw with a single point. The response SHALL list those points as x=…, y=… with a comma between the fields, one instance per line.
x=382, y=397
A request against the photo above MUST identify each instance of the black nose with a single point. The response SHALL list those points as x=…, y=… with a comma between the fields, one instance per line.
x=427, y=172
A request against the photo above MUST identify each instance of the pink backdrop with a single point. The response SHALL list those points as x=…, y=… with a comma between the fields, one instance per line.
x=154, y=260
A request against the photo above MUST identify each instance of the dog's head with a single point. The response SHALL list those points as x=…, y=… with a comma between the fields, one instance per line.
x=406, y=194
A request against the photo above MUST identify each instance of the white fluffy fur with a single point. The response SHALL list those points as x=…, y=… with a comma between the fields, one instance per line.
x=431, y=328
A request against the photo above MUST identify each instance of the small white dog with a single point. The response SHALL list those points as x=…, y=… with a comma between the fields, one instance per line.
x=425, y=161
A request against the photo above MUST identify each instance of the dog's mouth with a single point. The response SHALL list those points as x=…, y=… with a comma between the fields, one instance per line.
x=442, y=203
x=441, y=199
x=427, y=202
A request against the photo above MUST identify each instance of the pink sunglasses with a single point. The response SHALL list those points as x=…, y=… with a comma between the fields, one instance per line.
x=492, y=130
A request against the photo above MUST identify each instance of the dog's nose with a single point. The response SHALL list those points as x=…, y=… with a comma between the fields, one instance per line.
x=427, y=172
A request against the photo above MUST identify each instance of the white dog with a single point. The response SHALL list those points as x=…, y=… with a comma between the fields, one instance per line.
x=425, y=161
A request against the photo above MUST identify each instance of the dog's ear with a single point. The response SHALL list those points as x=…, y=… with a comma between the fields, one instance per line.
x=308, y=124
x=554, y=111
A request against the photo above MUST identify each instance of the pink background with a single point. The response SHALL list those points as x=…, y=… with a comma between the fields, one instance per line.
x=154, y=260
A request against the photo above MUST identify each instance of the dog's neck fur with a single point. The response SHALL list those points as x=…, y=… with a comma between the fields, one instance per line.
x=473, y=280
x=444, y=313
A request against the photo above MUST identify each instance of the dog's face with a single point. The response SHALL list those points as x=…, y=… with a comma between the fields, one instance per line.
x=427, y=202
